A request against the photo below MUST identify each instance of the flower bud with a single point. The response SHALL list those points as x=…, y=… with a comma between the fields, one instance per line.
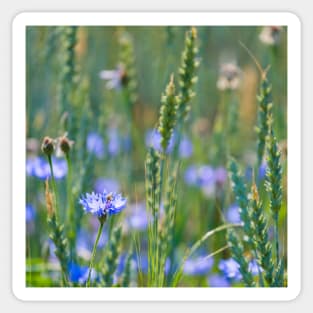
x=47, y=146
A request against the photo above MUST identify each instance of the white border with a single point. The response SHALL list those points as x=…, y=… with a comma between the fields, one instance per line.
x=151, y=294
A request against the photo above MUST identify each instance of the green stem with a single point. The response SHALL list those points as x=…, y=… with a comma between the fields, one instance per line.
x=54, y=188
x=94, y=250
x=70, y=211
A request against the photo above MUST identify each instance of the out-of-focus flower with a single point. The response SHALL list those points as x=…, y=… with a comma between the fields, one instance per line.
x=185, y=149
x=205, y=176
x=138, y=219
x=86, y=239
x=254, y=267
x=153, y=139
x=79, y=274
x=270, y=35
x=229, y=76
x=220, y=175
x=30, y=213
x=103, y=184
x=198, y=266
x=39, y=167
x=32, y=146
x=114, y=142
x=95, y=145
x=115, y=78
x=232, y=214
x=217, y=280
x=103, y=204
x=261, y=172
x=230, y=268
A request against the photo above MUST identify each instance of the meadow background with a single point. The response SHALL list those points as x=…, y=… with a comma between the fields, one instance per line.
x=112, y=129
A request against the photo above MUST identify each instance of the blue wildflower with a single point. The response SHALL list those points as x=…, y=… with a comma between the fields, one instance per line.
x=198, y=266
x=254, y=267
x=261, y=172
x=95, y=145
x=218, y=280
x=102, y=184
x=39, y=167
x=220, y=175
x=191, y=175
x=138, y=219
x=153, y=139
x=79, y=274
x=230, y=268
x=30, y=213
x=103, y=204
x=185, y=149
x=114, y=142
x=232, y=214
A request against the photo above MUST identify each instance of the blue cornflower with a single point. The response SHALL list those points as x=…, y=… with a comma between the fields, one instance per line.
x=39, y=167
x=217, y=280
x=30, y=213
x=230, y=268
x=103, y=183
x=232, y=214
x=79, y=274
x=198, y=266
x=95, y=145
x=103, y=204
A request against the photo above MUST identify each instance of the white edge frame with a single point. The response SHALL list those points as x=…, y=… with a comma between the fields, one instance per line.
x=152, y=19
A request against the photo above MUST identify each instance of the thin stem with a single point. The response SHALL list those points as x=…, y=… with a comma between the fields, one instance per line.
x=70, y=211
x=94, y=250
x=179, y=272
x=54, y=188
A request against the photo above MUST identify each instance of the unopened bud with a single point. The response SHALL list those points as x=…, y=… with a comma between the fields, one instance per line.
x=47, y=146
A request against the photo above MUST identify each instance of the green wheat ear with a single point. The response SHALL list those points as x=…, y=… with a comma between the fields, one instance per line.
x=262, y=242
x=112, y=252
x=241, y=193
x=187, y=73
x=273, y=183
x=238, y=254
x=127, y=58
x=264, y=117
x=168, y=114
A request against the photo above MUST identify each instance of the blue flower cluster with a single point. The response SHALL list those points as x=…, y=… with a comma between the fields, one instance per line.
x=115, y=143
x=39, y=167
x=198, y=266
x=205, y=177
x=103, y=204
x=185, y=149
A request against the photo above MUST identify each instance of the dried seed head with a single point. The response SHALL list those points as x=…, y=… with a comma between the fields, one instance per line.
x=47, y=146
x=65, y=144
